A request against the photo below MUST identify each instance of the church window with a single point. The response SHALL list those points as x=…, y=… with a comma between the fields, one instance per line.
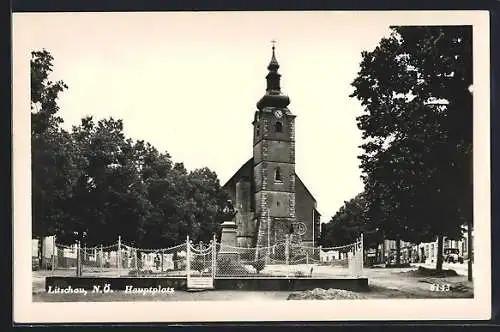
x=277, y=175
x=278, y=127
x=277, y=204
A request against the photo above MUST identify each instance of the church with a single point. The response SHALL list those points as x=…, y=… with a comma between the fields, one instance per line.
x=270, y=198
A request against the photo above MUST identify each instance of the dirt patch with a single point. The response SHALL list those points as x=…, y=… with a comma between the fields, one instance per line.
x=324, y=294
x=461, y=287
x=424, y=272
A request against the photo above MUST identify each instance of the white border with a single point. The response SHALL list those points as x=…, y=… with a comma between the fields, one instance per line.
x=25, y=311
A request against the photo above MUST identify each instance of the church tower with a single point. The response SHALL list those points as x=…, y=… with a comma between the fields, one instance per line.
x=274, y=162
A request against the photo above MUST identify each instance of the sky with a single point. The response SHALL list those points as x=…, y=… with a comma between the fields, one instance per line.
x=188, y=83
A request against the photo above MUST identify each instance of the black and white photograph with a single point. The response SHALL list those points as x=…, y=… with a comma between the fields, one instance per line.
x=251, y=166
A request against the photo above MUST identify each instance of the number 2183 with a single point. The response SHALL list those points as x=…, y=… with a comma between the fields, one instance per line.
x=440, y=287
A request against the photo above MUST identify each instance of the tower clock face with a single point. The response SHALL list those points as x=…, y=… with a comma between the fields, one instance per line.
x=278, y=114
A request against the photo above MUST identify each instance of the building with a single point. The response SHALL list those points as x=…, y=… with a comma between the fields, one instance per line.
x=422, y=252
x=428, y=251
x=271, y=199
x=46, y=254
x=386, y=252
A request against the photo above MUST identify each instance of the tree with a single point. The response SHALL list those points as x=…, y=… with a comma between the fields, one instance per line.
x=53, y=155
x=414, y=89
x=95, y=181
x=109, y=198
x=347, y=225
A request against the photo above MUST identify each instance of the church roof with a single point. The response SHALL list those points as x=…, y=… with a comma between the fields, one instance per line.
x=241, y=172
x=238, y=174
x=305, y=187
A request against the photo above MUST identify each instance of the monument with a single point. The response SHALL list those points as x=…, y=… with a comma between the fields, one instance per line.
x=228, y=237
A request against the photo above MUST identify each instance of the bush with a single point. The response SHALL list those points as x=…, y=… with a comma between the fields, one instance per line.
x=259, y=265
x=139, y=273
x=247, y=255
x=226, y=266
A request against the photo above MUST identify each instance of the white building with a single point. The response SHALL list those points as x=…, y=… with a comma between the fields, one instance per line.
x=429, y=250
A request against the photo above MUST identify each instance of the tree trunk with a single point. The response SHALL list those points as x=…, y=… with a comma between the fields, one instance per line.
x=469, y=251
x=40, y=252
x=439, y=254
x=137, y=260
x=383, y=251
x=398, y=252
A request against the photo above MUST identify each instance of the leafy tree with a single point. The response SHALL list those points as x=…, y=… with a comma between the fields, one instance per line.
x=94, y=181
x=53, y=155
x=350, y=221
x=414, y=89
x=108, y=199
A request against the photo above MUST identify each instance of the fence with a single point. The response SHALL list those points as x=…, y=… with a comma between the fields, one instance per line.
x=289, y=258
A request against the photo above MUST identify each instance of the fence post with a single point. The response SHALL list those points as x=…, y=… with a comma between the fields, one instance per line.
x=135, y=261
x=287, y=249
x=78, y=260
x=268, y=236
x=54, y=251
x=362, y=254
x=101, y=263
x=214, y=253
x=119, y=255
x=162, y=260
x=287, y=254
x=188, y=253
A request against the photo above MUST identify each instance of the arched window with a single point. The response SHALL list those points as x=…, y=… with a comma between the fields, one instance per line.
x=278, y=127
x=277, y=174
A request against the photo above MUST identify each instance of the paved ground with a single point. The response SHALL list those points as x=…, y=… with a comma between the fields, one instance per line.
x=383, y=282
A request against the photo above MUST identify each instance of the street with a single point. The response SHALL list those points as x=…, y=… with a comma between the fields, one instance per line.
x=388, y=283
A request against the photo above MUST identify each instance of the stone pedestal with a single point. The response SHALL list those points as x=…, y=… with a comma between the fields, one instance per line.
x=228, y=240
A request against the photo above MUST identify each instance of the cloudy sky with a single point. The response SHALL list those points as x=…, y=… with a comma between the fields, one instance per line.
x=188, y=82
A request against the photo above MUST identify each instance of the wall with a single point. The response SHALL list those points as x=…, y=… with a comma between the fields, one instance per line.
x=282, y=151
x=305, y=205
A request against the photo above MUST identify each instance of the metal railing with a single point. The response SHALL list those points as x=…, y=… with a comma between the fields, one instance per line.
x=287, y=258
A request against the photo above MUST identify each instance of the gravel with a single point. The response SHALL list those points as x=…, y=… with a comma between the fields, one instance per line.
x=324, y=294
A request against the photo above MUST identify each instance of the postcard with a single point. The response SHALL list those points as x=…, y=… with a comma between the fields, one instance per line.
x=251, y=166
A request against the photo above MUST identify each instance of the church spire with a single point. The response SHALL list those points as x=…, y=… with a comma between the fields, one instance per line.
x=273, y=65
x=273, y=96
